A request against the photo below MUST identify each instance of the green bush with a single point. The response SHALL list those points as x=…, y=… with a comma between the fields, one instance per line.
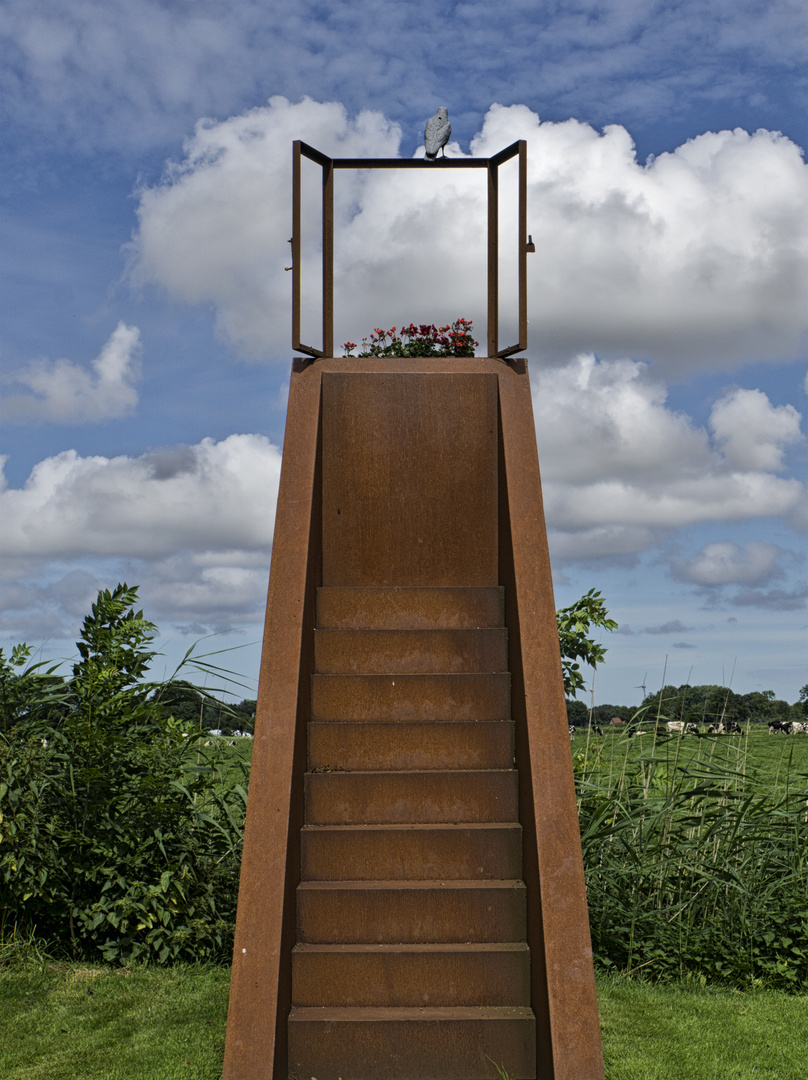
x=116, y=838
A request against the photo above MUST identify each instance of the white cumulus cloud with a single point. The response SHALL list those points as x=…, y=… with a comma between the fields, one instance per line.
x=725, y=563
x=216, y=230
x=621, y=469
x=697, y=258
x=64, y=392
x=751, y=432
x=214, y=497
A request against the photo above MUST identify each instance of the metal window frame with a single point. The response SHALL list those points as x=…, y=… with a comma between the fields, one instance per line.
x=492, y=164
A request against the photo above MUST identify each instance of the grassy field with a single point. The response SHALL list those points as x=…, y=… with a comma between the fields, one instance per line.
x=773, y=761
x=68, y=1022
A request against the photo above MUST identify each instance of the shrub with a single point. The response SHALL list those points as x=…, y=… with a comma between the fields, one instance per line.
x=114, y=837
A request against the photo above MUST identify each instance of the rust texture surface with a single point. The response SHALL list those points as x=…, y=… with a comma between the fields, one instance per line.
x=406, y=975
x=409, y=479
x=260, y=991
x=562, y=974
x=421, y=852
x=479, y=744
x=447, y=1042
x=410, y=609
x=350, y=652
x=412, y=901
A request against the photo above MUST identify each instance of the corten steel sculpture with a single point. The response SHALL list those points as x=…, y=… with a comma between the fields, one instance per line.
x=412, y=902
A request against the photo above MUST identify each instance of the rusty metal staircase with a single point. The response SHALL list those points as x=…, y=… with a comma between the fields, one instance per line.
x=412, y=902
x=411, y=909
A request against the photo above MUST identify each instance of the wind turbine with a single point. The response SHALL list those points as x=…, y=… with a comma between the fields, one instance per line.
x=642, y=685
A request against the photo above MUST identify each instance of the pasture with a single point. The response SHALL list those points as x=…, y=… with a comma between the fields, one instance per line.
x=767, y=761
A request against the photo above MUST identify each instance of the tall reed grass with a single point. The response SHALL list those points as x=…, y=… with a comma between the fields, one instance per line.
x=696, y=865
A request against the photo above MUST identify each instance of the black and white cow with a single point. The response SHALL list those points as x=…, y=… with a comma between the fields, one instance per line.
x=779, y=727
x=730, y=727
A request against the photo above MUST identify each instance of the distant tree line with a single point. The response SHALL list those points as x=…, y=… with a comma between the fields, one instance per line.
x=702, y=705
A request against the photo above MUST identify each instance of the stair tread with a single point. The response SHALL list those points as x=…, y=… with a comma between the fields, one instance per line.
x=404, y=745
x=413, y=947
x=407, y=825
x=411, y=773
x=419, y=696
x=442, y=650
x=449, y=883
x=383, y=677
x=410, y=607
x=426, y=1012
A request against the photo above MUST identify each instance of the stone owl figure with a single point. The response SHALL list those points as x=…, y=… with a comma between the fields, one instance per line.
x=437, y=133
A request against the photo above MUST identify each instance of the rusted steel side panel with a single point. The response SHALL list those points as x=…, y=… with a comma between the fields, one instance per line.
x=260, y=992
x=409, y=478
x=562, y=975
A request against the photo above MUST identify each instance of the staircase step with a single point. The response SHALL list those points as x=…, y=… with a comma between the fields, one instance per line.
x=411, y=852
x=472, y=744
x=410, y=608
x=372, y=798
x=412, y=1043
x=411, y=697
x=390, y=912
x=351, y=652
x=397, y=976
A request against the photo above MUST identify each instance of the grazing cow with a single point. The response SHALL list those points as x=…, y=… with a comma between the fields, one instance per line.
x=679, y=727
x=733, y=728
x=796, y=728
x=598, y=729
x=572, y=730
x=716, y=729
x=779, y=727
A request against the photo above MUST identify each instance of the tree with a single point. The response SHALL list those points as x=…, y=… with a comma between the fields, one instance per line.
x=112, y=835
x=574, y=623
x=577, y=713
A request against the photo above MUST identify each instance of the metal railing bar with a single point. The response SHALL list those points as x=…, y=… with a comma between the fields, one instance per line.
x=410, y=163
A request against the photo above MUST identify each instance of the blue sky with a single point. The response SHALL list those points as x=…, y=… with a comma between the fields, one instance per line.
x=144, y=308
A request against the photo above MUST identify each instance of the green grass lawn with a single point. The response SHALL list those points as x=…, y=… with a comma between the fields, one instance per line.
x=93, y=1023
x=672, y=1033
x=70, y=1022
